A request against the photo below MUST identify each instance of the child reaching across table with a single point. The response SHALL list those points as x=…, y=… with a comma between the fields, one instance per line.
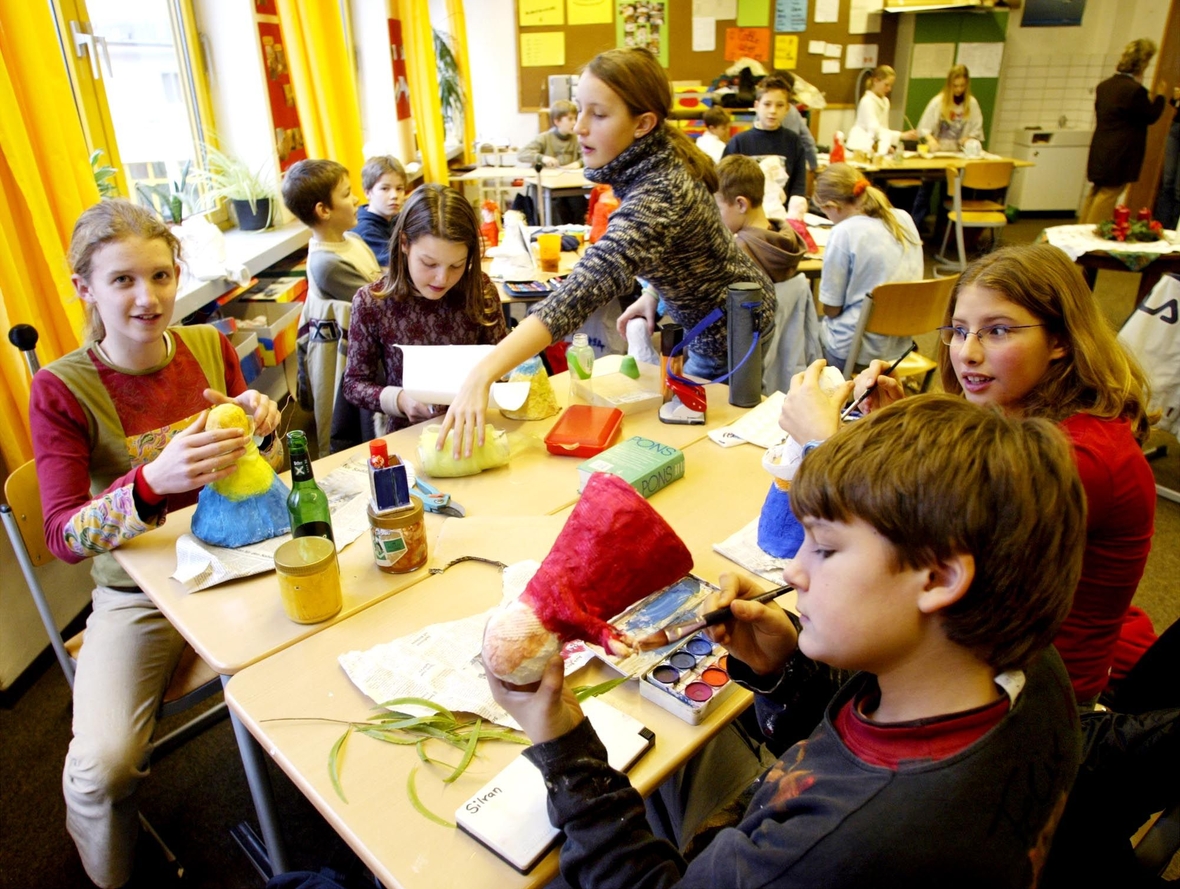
x=119, y=437
x=434, y=294
x=666, y=230
x=1023, y=334
x=872, y=243
x=948, y=757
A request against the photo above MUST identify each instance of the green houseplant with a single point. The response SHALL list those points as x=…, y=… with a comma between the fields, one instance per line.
x=225, y=176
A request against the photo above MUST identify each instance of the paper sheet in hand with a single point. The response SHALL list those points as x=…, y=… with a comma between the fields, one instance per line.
x=509, y=814
x=434, y=375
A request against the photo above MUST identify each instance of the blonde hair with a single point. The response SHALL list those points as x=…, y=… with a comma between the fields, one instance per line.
x=883, y=72
x=972, y=482
x=444, y=213
x=1137, y=55
x=1097, y=375
x=843, y=184
x=637, y=77
x=948, y=96
x=111, y=219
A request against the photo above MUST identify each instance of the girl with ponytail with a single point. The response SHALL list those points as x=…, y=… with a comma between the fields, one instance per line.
x=667, y=230
x=872, y=243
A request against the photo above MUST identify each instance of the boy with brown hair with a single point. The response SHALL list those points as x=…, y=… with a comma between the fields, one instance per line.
x=769, y=137
x=557, y=146
x=739, y=195
x=384, y=180
x=713, y=140
x=942, y=541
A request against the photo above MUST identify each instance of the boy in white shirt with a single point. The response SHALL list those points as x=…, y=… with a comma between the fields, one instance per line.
x=712, y=140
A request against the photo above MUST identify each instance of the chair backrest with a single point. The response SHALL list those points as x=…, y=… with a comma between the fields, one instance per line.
x=23, y=494
x=987, y=175
x=908, y=308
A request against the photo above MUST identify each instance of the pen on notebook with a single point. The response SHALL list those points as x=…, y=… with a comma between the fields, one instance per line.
x=676, y=632
x=873, y=388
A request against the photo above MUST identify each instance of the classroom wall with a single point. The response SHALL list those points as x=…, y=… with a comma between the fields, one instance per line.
x=1050, y=72
x=491, y=46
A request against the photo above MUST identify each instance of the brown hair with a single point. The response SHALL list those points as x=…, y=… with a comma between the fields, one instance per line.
x=776, y=81
x=638, y=79
x=937, y=476
x=948, y=96
x=375, y=168
x=1137, y=55
x=310, y=182
x=716, y=117
x=561, y=108
x=739, y=176
x=111, y=219
x=1097, y=375
x=843, y=184
x=440, y=211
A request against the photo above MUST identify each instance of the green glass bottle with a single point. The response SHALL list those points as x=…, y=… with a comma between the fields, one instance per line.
x=307, y=503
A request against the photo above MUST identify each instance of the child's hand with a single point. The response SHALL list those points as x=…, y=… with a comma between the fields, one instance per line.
x=809, y=414
x=762, y=636
x=195, y=458
x=412, y=409
x=888, y=390
x=261, y=408
x=644, y=307
x=465, y=417
x=546, y=712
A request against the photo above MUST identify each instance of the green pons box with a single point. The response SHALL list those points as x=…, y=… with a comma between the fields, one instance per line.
x=644, y=464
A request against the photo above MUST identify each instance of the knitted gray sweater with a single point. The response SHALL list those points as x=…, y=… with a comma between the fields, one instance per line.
x=667, y=231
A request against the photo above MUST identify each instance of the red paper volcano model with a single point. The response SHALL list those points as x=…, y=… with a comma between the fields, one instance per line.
x=614, y=550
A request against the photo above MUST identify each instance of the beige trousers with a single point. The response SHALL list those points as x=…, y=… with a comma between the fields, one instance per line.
x=1100, y=203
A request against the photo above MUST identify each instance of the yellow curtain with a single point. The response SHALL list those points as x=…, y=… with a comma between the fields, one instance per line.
x=45, y=183
x=422, y=72
x=325, y=83
x=458, y=26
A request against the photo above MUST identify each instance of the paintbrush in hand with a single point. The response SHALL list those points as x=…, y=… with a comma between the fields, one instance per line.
x=873, y=388
x=676, y=632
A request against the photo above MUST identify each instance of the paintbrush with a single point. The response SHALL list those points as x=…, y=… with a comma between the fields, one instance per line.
x=676, y=632
x=873, y=388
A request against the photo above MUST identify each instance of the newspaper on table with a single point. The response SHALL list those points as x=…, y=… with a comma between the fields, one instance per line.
x=441, y=662
x=758, y=426
x=201, y=565
x=742, y=547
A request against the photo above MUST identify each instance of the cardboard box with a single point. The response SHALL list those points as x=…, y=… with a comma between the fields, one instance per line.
x=644, y=464
x=277, y=290
x=276, y=337
x=245, y=343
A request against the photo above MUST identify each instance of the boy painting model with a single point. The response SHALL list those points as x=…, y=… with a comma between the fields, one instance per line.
x=770, y=137
x=942, y=541
x=339, y=263
x=384, y=181
x=772, y=245
x=712, y=141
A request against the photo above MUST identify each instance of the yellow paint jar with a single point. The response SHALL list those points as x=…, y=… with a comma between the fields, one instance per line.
x=399, y=538
x=309, y=579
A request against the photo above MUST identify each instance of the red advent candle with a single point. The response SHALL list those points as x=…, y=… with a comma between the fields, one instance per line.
x=1144, y=214
x=1121, y=214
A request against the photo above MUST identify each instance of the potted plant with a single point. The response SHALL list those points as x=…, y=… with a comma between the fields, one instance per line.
x=227, y=177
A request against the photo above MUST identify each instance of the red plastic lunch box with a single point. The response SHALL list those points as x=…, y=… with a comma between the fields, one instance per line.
x=583, y=431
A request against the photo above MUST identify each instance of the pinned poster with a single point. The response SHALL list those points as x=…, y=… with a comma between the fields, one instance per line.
x=752, y=43
x=541, y=12
x=704, y=34
x=786, y=51
x=542, y=49
x=981, y=59
x=827, y=10
x=831, y=66
x=790, y=15
x=834, y=50
x=860, y=55
x=817, y=47
x=864, y=16
x=752, y=13
x=715, y=9
x=931, y=60
x=588, y=12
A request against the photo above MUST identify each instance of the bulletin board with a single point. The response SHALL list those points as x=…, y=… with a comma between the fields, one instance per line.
x=583, y=42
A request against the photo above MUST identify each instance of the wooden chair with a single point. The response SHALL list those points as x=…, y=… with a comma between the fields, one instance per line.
x=983, y=175
x=903, y=308
x=192, y=682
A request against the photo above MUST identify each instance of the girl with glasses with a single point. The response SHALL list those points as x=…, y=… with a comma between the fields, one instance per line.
x=1024, y=335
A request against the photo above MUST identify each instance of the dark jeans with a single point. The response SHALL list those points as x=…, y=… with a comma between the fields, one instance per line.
x=1167, y=205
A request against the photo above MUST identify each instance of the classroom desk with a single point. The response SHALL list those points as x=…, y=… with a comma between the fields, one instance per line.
x=722, y=489
x=926, y=167
x=555, y=183
x=242, y=622
x=1151, y=261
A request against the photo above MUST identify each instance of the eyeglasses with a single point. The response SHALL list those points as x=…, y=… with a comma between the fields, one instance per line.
x=992, y=335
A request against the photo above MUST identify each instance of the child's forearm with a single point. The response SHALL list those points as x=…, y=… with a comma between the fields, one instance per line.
x=529, y=338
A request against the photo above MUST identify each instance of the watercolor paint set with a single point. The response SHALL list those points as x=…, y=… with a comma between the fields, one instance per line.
x=532, y=289
x=690, y=680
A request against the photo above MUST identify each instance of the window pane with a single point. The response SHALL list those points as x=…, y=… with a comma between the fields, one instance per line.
x=145, y=95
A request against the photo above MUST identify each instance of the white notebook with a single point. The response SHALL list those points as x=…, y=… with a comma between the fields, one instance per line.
x=509, y=814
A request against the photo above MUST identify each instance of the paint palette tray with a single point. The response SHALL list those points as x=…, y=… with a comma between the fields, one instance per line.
x=691, y=679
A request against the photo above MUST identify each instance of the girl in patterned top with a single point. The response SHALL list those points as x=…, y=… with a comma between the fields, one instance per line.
x=666, y=230
x=434, y=295
x=119, y=436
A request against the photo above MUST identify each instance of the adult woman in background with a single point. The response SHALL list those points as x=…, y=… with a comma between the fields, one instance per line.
x=1124, y=112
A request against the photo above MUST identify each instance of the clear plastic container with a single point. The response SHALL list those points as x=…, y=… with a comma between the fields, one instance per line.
x=580, y=358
